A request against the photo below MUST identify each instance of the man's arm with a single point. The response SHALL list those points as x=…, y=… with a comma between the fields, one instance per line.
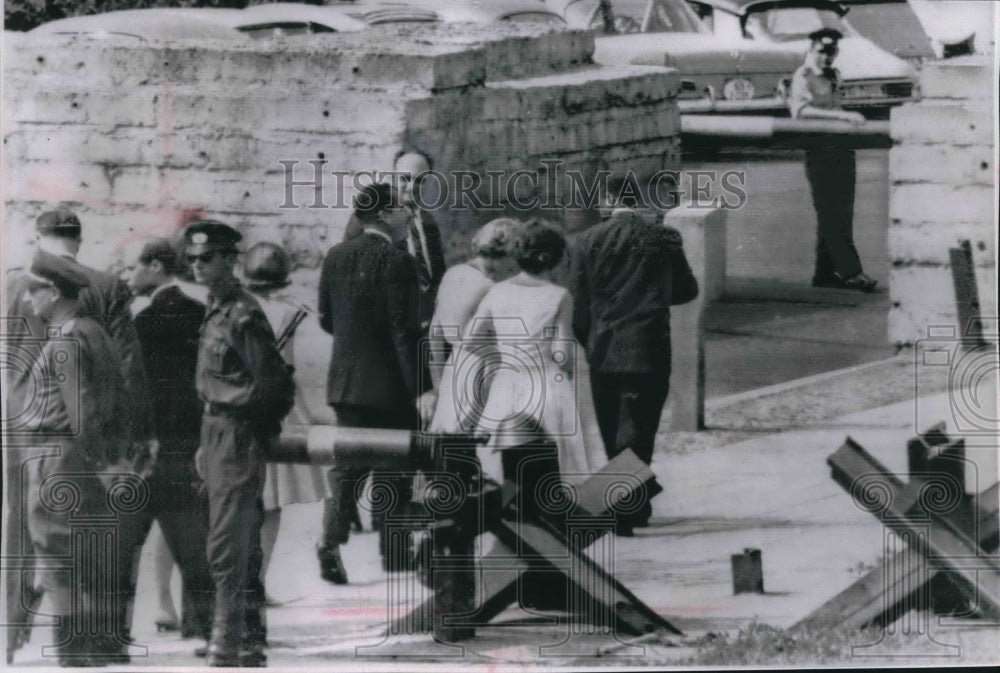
x=680, y=282
x=579, y=287
x=254, y=340
x=401, y=302
x=435, y=249
x=325, y=302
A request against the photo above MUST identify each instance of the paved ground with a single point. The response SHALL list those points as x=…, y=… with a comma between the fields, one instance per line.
x=757, y=478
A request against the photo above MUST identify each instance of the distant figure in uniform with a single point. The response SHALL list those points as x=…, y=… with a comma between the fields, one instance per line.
x=169, y=331
x=815, y=94
x=76, y=424
x=423, y=236
x=625, y=274
x=244, y=383
x=265, y=274
x=105, y=300
x=367, y=301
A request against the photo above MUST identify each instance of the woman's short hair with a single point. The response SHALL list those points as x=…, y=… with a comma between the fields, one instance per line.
x=492, y=240
x=538, y=245
x=372, y=200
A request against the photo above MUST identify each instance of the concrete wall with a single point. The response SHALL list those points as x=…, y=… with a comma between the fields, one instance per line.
x=943, y=172
x=138, y=137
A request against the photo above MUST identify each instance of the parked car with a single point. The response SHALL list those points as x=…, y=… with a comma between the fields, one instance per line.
x=278, y=19
x=717, y=74
x=145, y=25
x=484, y=11
x=894, y=26
x=872, y=78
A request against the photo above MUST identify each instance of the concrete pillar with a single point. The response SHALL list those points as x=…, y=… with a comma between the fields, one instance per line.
x=704, y=234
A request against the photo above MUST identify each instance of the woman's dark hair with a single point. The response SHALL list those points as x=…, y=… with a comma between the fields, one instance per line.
x=538, y=246
x=372, y=200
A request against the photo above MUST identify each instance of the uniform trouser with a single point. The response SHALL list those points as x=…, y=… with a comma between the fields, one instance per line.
x=628, y=409
x=81, y=532
x=20, y=579
x=179, y=503
x=831, y=173
x=346, y=480
x=234, y=461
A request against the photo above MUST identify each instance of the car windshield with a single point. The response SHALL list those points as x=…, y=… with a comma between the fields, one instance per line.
x=784, y=24
x=651, y=16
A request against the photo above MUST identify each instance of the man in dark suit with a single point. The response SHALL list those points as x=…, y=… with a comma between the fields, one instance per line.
x=423, y=236
x=169, y=330
x=625, y=273
x=367, y=301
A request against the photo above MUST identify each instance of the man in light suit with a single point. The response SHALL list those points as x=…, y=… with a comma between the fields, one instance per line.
x=367, y=300
x=625, y=273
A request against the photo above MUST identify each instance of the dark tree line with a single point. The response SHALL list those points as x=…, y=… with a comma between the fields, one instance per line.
x=26, y=14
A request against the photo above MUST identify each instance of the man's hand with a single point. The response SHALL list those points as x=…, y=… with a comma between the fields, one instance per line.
x=200, y=462
x=426, y=404
x=146, y=460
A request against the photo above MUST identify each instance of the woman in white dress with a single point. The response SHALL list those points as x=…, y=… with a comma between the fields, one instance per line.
x=265, y=272
x=538, y=382
x=454, y=368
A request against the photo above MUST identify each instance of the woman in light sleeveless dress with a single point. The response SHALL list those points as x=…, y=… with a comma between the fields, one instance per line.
x=455, y=368
x=265, y=273
x=537, y=376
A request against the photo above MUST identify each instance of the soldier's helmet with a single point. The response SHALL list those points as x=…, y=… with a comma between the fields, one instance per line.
x=266, y=267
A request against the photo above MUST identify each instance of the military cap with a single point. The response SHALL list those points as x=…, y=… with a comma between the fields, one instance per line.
x=62, y=223
x=207, y=235
x=827, y=37
x=61, y=272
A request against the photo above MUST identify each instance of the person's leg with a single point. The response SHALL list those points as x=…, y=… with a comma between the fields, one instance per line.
x=268, y=538
x=604, y=390
x=234, y=479
x=831, y=175
x=186, y=535
x=163, y=570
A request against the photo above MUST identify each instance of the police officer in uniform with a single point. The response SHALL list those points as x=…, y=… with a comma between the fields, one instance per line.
x=77, y=424
x=815, y=94
x=241, y=379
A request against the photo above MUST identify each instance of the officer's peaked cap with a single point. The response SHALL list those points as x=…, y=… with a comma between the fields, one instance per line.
x=206, y=235
x=62, y=223
x=61, y=272
x=828, y=37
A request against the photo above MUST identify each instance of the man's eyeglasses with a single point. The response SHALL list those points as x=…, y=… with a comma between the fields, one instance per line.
x=204, y=258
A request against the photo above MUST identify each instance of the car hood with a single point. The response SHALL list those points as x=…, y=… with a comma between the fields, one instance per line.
x=861, y=58
x=696, y=52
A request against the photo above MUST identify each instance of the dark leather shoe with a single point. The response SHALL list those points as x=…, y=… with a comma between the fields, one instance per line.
x=201, y=652
x=331, y=565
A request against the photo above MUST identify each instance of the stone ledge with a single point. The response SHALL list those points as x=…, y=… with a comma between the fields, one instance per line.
x=941, y=122
x=963, y=78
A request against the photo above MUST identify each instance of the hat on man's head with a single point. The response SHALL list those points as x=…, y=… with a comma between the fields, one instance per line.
x=209, y=235
x=61, y=272
x=62, y=223
x=827, y=37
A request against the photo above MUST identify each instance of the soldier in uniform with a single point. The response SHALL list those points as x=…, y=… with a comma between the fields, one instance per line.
x=815, y=94
x=244, y=384
x=106, y=300
x=76, y=409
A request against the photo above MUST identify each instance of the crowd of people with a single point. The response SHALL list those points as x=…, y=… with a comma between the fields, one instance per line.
x=556, y=348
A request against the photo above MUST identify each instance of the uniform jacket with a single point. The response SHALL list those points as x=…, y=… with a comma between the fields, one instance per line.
x=625, y=273
x=820, y=89
x=169, y=330
x=367, y=301
x=82, y=395
x=106, y=301
x=239, y=367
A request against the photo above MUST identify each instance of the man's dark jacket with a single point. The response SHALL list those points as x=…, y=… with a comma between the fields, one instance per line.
x=169, y=330
x=368, y=302
x=625, y=273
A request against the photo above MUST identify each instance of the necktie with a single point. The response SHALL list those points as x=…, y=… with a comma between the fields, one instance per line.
x=417, y=246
